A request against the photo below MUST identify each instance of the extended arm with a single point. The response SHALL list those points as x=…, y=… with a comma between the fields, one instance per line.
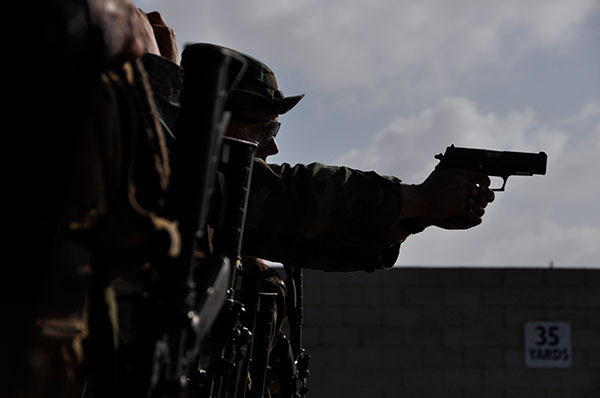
x=337, y=218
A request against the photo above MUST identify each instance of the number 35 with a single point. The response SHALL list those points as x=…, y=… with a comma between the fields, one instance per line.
x=547, y=335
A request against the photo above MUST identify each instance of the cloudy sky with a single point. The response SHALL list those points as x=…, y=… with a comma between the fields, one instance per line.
x=391, y=83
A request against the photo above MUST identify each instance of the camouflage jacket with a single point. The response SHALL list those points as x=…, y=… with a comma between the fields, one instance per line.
x=322, y=217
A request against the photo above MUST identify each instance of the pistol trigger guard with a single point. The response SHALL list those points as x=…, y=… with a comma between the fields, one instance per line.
x=501, y=189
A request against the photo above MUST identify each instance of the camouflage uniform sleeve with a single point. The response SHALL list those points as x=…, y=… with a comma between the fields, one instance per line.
x=322, y=217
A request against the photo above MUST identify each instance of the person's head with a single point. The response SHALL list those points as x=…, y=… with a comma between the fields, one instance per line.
x=255, y=105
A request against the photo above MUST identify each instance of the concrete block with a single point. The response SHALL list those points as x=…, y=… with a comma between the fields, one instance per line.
x=580, y=359
x=463, y=337
x=423, y=336
x=426, y=296
x=377, y=336
x=526, y=393
x=570, y=393
x=323, y=357
x=440, y=277
x=593, y=359
x=524, y=277
x=514, y=358
x=584, y=380
x=484, y=357
x=384, y=296
x=323, y=316
x=463, y=297
x=336, y=377
x=540, y=297
x=401, y=277
x=577, y=317
x=348, y=391
x=382, y=377
x=479, y=277
x=404, y=392
x=363, y=357
x=441, y=392
x=359, y=278
x=311, y=295
x=320, y=278
x=340, y=336
x=424, y=378
x=505, y=378
x=483, y=317
x=592, y=297
x=593, y=318
x=585, y=338
x=577, y=297
x=404, y=357
x=359, y=316
x=534, y=378
x=483, y=393
x=517, y=316
x=503, y=337
x=482, y=336
x=411, y=316
x=566, y=278
x=311, y=336
x=442, y=316
x=407, y=277
x=443, y=357
x=592, y=278
x=463, y=377
x=338, y=295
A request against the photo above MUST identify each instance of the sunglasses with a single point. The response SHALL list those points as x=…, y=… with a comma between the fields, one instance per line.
x=259, y=131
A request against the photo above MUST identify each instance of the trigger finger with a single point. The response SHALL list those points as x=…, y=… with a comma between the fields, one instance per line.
x=482, y=180
x=487, y=194
x=156, y=18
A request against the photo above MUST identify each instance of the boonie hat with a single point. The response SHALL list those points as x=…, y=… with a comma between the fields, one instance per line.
x=257, y=89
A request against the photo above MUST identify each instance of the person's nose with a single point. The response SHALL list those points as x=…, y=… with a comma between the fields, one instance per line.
x=270, y=149
x=274, y=146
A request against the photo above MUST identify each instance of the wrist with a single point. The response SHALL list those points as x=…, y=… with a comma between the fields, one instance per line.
x=413, y=225
x=413, y=202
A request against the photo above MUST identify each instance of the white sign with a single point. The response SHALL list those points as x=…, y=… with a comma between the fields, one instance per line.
x=548, y=345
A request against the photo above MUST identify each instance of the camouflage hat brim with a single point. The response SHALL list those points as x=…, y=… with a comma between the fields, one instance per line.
x=255, y=89
x=243, y=99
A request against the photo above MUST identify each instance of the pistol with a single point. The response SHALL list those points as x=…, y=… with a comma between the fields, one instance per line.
x=493, y=163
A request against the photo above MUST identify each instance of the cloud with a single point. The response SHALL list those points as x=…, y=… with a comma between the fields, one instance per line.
x=407, y=144
x=538, y=219
x=352, y=44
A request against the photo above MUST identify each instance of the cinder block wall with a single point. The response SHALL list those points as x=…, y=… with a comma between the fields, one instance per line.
x=423, y=332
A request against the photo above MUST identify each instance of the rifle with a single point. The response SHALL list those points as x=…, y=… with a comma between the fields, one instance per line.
x=222, y=357
x=295, y=283
x=493, y=163
x=189, y=295
x=262, y=345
